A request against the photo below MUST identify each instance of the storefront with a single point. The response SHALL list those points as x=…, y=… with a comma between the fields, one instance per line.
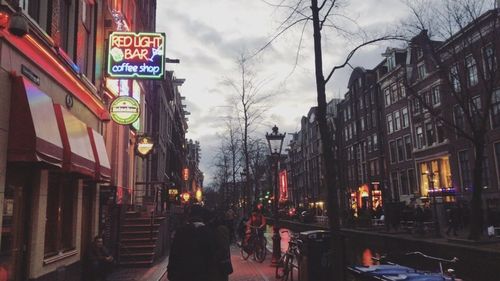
x=436, y=179
x=52, y=161
x=366, y=197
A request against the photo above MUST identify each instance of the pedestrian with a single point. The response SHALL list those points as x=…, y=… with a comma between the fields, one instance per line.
x=419, y=219
x=221, y=236
x=453, y=221
x=230, y=216
x=100, y=260
x=193, y=249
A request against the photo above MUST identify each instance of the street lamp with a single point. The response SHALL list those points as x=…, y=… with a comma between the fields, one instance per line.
x=275, y=141
x=430, y=179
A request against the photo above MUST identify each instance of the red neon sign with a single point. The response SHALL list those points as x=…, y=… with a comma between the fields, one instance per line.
x=185, y=174
x=283, y=185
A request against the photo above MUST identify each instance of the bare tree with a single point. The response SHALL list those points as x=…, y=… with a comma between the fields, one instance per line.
x=250, y=98
x=458, y=41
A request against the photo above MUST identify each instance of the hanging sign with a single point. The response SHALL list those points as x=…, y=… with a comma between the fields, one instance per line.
x=144, y=145
x=124, y=110
x=136, y=55
x=283, y=185
x=185, y=174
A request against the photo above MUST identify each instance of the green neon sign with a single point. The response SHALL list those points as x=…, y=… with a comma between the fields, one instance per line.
x=124, y=110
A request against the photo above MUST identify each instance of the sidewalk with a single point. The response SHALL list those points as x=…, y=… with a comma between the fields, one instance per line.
x=250, y=270
x=153, y=273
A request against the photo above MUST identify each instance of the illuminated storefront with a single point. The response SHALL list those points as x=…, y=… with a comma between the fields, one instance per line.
x=435, y=179
x=366, y=197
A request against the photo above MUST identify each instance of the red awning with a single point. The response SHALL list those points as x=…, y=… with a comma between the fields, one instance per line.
x=78, y=154
x=33, y=133
x=102, y=167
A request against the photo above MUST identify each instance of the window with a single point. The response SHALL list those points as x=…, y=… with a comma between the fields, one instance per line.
x=375, y=142
x=435, y=96
x=420, y=53
x=489, y=60
x=59, y=224
x=395, y=185
x=390, y=124
x=390, y=62
x=416, y=106
x=397, y=121
x=362, y=123
x=470, y=65
x=387, y=95
x=402, y=89
x=404, y=183
x=454, y=78
x=497, y=157
x=412, y=181
x=406, y=117
x=401, y=150
x=495, y=109
x=408, y=147
x=421, y=71
x=393, y=149
x=429, y=132
x=419, y=137
x=463, y=162
x=440, y=132
x=486, y=171
x=458, y=116
x=394, y=93
x=369, y=144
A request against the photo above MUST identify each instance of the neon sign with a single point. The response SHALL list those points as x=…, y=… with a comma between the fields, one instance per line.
x=124, y=110
x=283, y=185
x=136, y=55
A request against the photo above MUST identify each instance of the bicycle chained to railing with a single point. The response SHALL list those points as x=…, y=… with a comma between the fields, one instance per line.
x=255, y=246
x=290, y=259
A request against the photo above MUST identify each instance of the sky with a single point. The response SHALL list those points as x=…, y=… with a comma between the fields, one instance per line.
x=208, y=36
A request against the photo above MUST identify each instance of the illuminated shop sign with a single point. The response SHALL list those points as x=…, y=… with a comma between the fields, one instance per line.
x=136, y=55
x=185, y=174
x=144, y=146
x=283, y=186
x=124, y=110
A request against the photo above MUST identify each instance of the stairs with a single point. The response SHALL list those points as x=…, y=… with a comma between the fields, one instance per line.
x=138, y=239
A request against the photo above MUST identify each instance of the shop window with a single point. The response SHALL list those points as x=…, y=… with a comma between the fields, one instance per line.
x=465, y=172
x=60, y=214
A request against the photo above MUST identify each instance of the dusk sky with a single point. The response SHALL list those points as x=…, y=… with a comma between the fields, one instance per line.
x=208, y=37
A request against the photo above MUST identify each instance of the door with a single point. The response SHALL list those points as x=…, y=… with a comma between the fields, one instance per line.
x=13, y=250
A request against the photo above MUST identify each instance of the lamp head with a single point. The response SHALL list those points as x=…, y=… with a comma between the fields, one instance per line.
x=18, y=24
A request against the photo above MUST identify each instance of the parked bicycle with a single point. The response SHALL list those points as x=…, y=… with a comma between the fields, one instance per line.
x=256, y=245
x=287, y=262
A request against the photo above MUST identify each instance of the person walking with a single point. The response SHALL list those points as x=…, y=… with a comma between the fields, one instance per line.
x=192, y=255
x=221, y=236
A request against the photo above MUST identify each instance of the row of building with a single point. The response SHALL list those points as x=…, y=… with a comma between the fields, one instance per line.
x=399, y=129
x=68, y=173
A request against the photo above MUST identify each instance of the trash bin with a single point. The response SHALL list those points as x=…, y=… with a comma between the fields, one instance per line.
x=315, y=263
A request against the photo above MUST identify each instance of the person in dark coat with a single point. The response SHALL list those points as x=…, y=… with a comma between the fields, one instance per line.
x=419, y=219
x=100, y=260
x=221, y=237
x=192, y=255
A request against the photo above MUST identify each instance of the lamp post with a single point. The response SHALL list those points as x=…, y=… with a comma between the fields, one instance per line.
x=275, y=141
x=430, y=179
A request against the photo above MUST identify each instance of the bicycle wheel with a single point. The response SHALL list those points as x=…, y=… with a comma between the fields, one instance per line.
x=289, y=269
x=244, y=254
x=260, y=251
x=280, y=267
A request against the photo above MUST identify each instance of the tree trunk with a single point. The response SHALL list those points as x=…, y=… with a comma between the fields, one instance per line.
x=327, y=153
x=476, y=226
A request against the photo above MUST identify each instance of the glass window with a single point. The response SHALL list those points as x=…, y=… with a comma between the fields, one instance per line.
x=455, y=78
x=489, y=60
x=406, y=117
x=394, y=152
x=412, y=181
x=395, y=185
x=463, y=161
x=419, y=137
x=436, y=96
x=495, y=109
x=429, y=132
x=416, y=106
x=390, y=124
x=59, y=224
x=421, y=71
x=387, y=95
x=440, y=132
x=470, y=65
x=375, y=142
x=401, y=150
x=408, y=147
x=404, y=183
x=397, y=121
x=458, y=116
x=394, y=93
x=402, y=89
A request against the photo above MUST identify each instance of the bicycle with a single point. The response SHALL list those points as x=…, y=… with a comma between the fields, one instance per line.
x=285, y=266
x=256, y=246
